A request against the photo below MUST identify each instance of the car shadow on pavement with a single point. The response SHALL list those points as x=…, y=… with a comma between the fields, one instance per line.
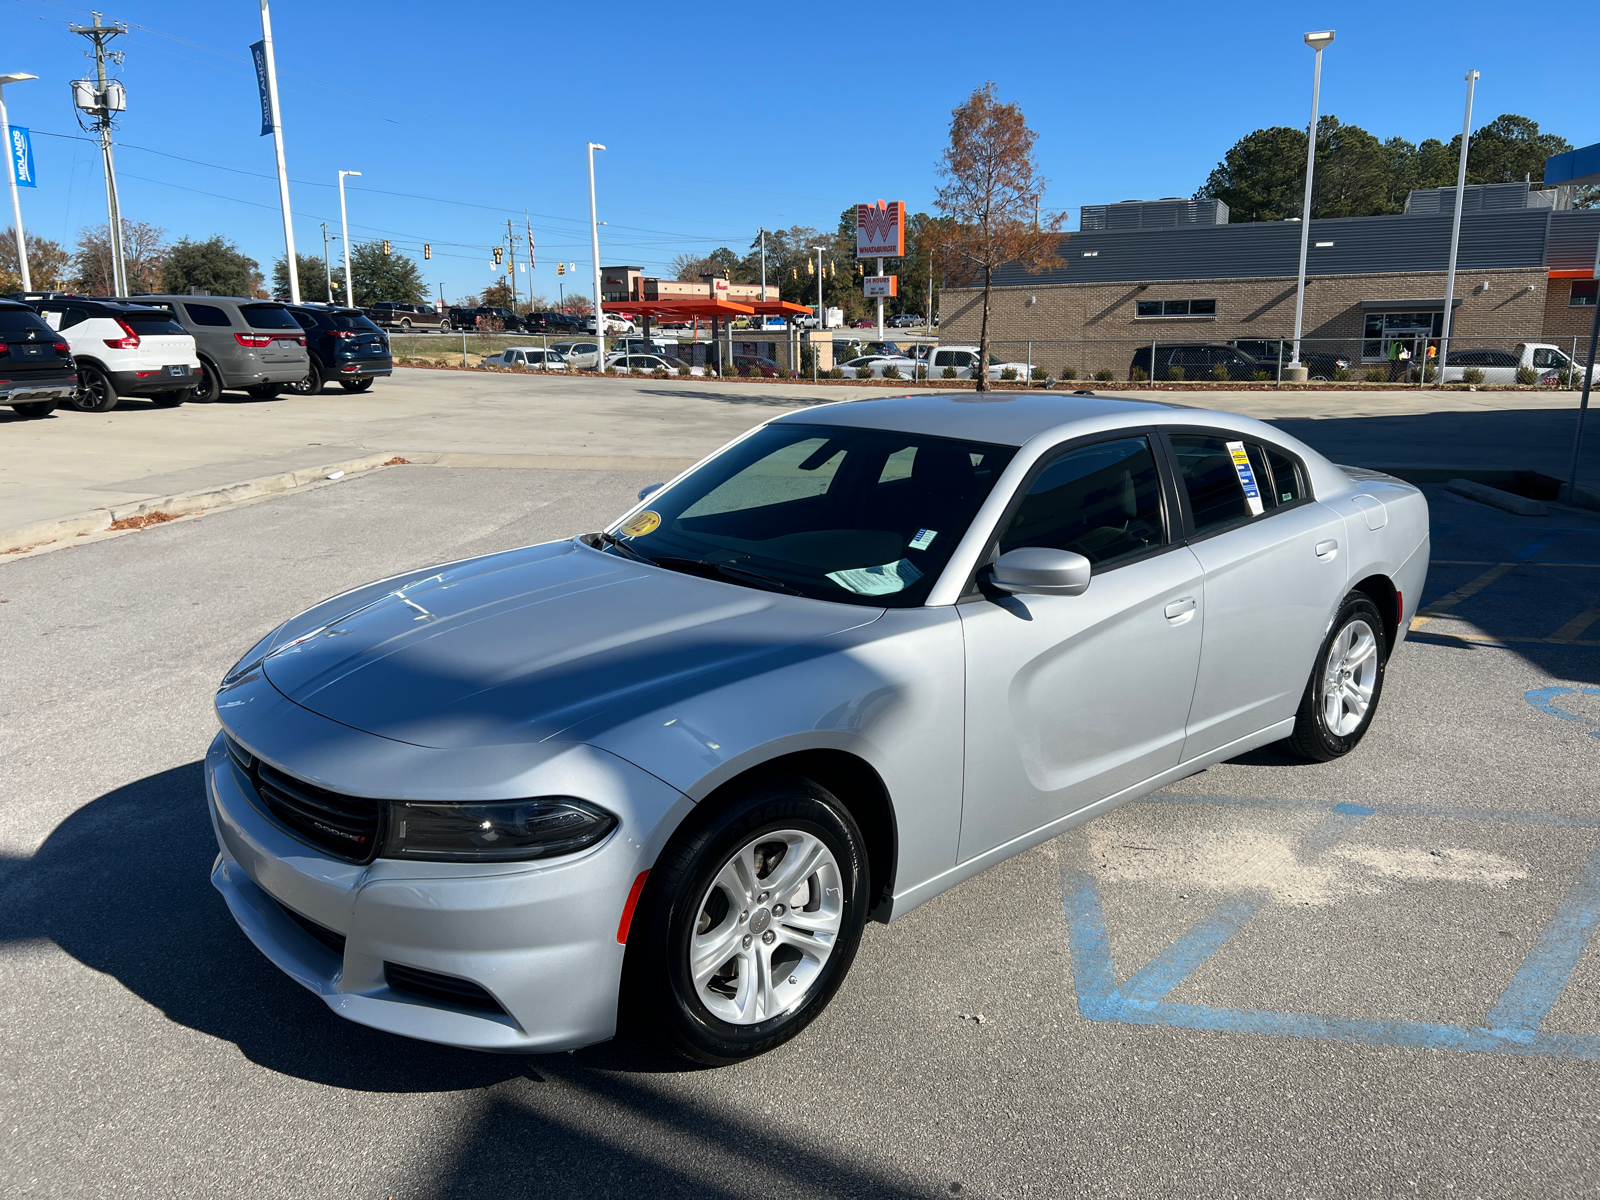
x=123, y=885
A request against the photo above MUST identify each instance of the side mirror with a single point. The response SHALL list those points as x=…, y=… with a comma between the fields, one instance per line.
x=1041, y=571
x=645, y=491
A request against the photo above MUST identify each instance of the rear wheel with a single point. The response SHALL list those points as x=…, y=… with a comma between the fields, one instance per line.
x=1346, y=683
x=95, y=393
x=36, y=410
x=444, y=326
x=265, y=391
x=356, y=385
x=748, y=924
x=210, y=389
x=171, y=399
x=311, y=385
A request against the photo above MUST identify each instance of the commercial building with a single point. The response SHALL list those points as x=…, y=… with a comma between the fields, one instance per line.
x=1179, y=271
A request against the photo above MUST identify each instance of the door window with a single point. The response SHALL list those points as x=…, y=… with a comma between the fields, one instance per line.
x=1213, y=481
x=1101, y=501
x=1287, y=485
x=1546, y=357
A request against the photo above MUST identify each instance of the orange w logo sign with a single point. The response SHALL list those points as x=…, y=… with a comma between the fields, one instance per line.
x=880, y=230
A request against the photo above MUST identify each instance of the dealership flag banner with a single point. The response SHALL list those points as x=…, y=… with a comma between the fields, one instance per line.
x=21, y=150
x=258, y=55
x=881, y=230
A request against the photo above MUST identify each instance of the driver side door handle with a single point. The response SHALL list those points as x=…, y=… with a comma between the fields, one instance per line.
x=1327, y=551
x=1179, y=611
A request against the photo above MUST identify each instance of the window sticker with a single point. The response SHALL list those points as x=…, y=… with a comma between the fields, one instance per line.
x=924, y=539
x=645, y=522
x=877, y=581
x=1247, y=477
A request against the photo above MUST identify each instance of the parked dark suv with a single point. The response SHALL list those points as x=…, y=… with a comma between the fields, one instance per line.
x=249, y=344
x=1197, y=360
x=554, y=322
x=476, y=318
x=35, y=361
x=1319, y=364
x=392, y=314
x=344, y=344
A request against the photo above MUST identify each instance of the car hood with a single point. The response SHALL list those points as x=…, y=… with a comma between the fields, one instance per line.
x=516, y=647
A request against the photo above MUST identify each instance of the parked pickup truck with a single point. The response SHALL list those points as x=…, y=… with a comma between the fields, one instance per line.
x=392, y=314
x=1547, y=362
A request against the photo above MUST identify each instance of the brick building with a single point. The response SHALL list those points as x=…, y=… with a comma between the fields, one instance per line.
x=1177, y=271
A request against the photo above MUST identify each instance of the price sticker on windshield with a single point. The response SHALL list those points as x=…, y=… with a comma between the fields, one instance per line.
x=645, y=522
x=1247, y=477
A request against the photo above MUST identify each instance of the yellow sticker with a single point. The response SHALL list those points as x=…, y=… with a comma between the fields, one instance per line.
x=645, y=522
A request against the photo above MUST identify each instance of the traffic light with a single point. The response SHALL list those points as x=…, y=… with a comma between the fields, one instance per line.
x=499, y=253
x=561, y=268
x=427, y=250
x=386, y=247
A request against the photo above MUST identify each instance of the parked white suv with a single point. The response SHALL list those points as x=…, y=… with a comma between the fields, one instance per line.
x=123, y=350
x=529, y=358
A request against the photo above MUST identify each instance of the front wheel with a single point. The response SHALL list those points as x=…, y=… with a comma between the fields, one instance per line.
x=444, y=326
x=356, y=385
x=748, y=924
x=1345, y=686
x=210, y=389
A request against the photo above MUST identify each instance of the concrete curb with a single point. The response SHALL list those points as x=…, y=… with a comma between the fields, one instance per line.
x=98, y=520
x=1484, y=494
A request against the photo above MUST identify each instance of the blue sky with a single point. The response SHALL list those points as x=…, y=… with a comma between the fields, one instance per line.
x=724, y=117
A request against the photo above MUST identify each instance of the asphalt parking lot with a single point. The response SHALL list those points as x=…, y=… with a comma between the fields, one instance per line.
x=1374, y=977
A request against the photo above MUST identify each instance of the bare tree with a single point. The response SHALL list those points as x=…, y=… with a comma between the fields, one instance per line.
x=991, y=196
x=144, y=251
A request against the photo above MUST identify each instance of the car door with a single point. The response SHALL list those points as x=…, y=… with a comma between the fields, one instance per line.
x=1071, y=699
x=1273, y=576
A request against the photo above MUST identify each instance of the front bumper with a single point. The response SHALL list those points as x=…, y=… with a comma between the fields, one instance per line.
x=540, y=938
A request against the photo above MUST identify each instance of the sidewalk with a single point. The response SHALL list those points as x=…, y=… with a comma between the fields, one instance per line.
x=77, y=462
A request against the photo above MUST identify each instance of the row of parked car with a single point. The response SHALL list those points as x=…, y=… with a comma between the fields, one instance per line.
x=628, y=356
x=394, y=315
x=89, y=352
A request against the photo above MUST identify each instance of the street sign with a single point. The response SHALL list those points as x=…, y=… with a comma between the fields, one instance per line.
x=21, y=149
x=881, y=285
x=881, y=230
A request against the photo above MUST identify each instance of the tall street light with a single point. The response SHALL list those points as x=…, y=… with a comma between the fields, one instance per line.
x=594, y=244
x=1455, y=235
x=822, y=314
x=344, y=230
x=1319, y=42
x=11, y=174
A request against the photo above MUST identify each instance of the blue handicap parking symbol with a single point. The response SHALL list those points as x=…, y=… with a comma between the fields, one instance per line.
x=1513, y=1026
x=1544, y=700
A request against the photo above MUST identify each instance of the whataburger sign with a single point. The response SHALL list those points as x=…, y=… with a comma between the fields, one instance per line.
x=881, y=230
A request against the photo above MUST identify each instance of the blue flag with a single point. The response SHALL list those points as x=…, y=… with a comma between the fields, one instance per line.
x=21, y=154
x=258, y=55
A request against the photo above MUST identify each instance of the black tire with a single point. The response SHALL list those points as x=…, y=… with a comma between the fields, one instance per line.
x=659, y=1001
x=356, y=385
x=405, y=324
x=171, y=399
x=265, y=391
x=1314, y=737
x=36, y=410
x=96, y=393
x=209, y=390
x=311, y=385
x=444, y=326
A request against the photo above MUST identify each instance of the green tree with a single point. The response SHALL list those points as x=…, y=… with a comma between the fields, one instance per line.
x=1508, y=149
x=380, y=276
x=497, y=294
x=214, y=265
x=1262, y=176
x=313, y=280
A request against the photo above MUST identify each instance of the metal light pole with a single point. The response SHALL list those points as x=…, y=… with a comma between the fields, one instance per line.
x=763, y=269
x=11, y=175
x=822, y=313
x=344, y=229
x=277, y=145
x=594, y=245
x=1319, y=42
x=327, y=267
x=1455, y=234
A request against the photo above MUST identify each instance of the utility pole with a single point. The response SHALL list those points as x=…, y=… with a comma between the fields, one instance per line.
x=594, y=242
x=327, y=267
x=105, y=98
x=511, y=254
x=763, y=269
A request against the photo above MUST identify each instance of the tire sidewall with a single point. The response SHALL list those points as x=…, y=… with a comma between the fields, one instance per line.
x=1354, y=608
x=660, y=980
x=85, y=400
x=209, y=390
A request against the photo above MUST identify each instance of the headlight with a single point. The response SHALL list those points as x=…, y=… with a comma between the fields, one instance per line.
x=497, y=831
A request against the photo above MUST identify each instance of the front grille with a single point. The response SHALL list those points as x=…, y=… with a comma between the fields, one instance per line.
x=346, y=826
x=332, y=940
x=432, y=986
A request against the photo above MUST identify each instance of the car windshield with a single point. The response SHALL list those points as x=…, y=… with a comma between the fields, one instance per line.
x=861, y=516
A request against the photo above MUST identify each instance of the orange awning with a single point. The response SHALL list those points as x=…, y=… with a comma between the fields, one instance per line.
x=691, y=307
x=1580, y=273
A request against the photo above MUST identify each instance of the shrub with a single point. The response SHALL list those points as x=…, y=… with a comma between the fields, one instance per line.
x=1377, y=375
x=610, y=370
x=1341, y=375
x=1177, y=373
x=1527, y=376
x=1430, y=373
x=834, y=373
x=1008, y=373
x=1068, y=373
x=1262, y=376
x=1040, y=373
x=952, y=373
x=1472, y=375
x=659, y=372
x=1137, y=375
x=1220, y=373
x=922, y=370
x=1566, y=378
x=743, y=370
x=685, y=369
x=866, y=372
x=891, y=372
x=1106, y=375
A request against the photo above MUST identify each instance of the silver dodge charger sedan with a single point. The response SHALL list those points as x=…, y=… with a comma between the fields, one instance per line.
x=656, y=778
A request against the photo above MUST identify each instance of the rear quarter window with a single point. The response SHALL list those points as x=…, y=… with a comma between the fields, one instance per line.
x=152, y=321
x=208, y=314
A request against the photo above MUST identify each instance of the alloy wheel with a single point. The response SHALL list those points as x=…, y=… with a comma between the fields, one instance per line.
x=766, y=927
x=1349, y=678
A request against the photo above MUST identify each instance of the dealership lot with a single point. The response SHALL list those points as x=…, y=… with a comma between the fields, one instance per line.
x=1372, y=976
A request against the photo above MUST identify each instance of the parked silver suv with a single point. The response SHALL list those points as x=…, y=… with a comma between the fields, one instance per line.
x=251, y=344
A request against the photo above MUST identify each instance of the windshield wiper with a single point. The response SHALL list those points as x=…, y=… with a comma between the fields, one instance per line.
x=727, y=571
x=611, y=539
